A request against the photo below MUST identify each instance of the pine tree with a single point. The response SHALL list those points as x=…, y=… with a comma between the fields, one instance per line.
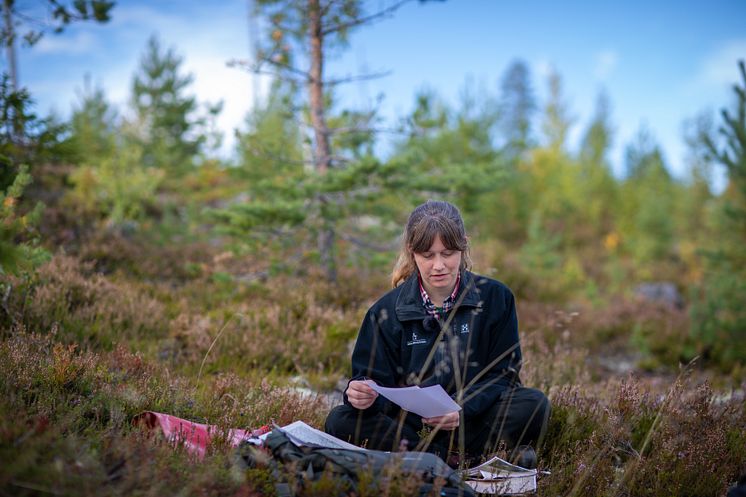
x=271, y=146
x=649, y=198
x=552, y=172
x=112, y=181
x=26, y=139
x=597, y=184
x=340, y=178
x=19, y=248
x=719, y=316
x=449, y=153
x=517, y=109
x=93, y=126
x=165, y=124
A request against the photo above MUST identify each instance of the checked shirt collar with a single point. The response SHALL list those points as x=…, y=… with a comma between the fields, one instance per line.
x=430, y=308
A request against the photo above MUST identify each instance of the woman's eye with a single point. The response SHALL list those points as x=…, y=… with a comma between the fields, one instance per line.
x=448, y=253
x=427, y=255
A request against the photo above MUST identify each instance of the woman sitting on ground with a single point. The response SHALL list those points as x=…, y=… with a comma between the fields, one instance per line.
x=441, y=324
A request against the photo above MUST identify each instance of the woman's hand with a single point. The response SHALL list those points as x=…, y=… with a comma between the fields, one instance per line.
x=360, y=395
x=446, y=422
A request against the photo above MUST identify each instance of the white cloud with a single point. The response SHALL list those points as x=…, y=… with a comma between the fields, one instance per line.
x=721, y=68
x=214, y=81
x=143, y=18
x=76, y=43
x=718, y=71
x=605, y=63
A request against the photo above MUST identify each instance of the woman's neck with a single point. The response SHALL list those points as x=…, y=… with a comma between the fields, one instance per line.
x=438, y=296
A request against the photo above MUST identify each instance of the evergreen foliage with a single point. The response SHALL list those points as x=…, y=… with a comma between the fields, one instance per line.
x=649, y=198
x=118, y=187
x=19, y=249
x=24, y=137
x=719, y=314
x=449, y=153
x=337, y=177
x=94, y=126
x=517, y=109
x=597, y=185
x=165, y=127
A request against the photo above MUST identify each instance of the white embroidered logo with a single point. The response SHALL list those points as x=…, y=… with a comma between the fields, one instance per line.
x=416, y=340
x=465, y=328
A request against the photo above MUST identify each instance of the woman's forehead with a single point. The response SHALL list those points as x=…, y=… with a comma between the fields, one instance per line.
x=436, y=245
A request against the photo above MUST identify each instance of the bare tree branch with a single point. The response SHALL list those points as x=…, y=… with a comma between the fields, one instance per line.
x=256, y=67
x=365, y=19
x=366, y=244
x=363, y=129
x=326, y=8
x=360, y=77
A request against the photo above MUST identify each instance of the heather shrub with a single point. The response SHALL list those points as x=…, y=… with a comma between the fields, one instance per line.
x=135, y=256
x=66, y=421
x=232, y=401
x=547, y=365
x=294, y=335
x=691, y=450
x=661, y=334
x=574, y=419
x=84, y=307
x=681, y=443
x=652, y=335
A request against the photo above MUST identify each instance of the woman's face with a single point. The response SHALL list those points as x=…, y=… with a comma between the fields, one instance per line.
x=439, y=267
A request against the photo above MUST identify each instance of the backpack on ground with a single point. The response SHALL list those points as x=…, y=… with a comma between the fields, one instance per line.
x=306, y=465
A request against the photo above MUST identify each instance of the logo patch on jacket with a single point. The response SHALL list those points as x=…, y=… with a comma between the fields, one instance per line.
x=416, y=340
x=465, y=328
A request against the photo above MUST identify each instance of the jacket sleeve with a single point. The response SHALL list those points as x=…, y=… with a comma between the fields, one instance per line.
x=375, y=355
x=504, y=359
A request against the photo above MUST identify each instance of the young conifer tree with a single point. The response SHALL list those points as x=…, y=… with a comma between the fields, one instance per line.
x=718, y=312
x=165, y=124
x=337, y=178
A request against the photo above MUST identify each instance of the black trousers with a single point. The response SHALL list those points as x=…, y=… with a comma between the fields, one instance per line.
x=518, y=417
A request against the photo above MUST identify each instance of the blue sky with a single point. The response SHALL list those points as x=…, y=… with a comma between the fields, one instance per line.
x=659, y=62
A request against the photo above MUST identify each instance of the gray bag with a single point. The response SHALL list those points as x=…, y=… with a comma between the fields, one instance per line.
x=346, y=465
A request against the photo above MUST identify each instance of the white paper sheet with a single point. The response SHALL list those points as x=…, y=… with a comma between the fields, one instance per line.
x=428, y=402
x=303, y=435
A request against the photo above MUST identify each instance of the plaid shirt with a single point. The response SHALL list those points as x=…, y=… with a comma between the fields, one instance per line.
x=448, y=303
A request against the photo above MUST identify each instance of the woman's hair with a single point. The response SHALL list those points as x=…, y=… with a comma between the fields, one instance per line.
x=431, y=219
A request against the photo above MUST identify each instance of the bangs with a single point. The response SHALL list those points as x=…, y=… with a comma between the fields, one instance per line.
x=424, y=234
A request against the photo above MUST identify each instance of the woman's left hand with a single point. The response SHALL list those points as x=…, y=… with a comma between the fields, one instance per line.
x=446, y=422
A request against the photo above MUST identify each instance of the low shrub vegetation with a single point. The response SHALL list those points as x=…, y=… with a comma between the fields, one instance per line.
x=84, y=353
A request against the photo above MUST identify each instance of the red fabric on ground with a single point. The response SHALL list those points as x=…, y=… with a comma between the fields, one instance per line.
x=195, y=437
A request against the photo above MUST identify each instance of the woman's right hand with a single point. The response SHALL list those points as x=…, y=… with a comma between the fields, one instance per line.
x=360, y=395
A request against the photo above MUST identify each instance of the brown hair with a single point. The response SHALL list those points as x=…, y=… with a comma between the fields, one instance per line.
x=431, y=219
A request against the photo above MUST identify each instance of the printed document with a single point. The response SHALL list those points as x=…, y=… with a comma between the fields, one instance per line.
x=428, y=402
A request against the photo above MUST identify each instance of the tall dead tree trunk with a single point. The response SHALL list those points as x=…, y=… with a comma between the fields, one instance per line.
x=322, y=149
x=10, y=51
x=10, y=43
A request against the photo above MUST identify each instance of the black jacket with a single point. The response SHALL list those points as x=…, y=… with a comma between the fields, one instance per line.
x=476, y=358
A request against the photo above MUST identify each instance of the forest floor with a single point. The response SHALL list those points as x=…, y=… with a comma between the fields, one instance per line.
x=94, y=338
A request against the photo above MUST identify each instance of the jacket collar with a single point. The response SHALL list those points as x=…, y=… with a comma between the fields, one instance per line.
x=409, y=302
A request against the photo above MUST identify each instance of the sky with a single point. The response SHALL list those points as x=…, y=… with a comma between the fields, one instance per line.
x=660, y=63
